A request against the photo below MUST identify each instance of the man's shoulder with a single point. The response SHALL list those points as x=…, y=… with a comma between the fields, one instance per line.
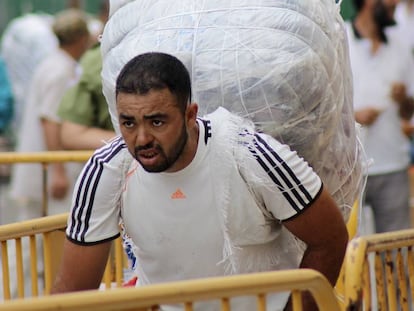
x=231, y=133
x=226, y=120
x=114, y=151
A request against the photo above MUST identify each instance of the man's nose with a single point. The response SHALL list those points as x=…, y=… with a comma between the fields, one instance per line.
x=143, y=136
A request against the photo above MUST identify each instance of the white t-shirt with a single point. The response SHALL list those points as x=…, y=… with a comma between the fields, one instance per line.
x=49, y=83
x=220, y=215
x=405, y=23
x=373, y=74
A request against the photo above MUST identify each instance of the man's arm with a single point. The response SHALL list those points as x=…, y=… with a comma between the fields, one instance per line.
x=322, y=228
x=81, y=137
x=367, y=116
x=59, y=181
x=82, y=267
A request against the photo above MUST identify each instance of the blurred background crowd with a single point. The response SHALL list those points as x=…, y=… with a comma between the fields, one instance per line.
x=41, y=49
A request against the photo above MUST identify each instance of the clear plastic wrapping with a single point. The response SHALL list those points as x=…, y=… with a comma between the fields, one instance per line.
x=283, y=64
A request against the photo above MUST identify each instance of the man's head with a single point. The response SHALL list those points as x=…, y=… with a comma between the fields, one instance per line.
x=70, y=25
x=382, y=10
x=153, y=94
x=155, y=71
x=71, y=29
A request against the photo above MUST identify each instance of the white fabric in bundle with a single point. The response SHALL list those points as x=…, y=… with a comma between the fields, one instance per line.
x=282, y=63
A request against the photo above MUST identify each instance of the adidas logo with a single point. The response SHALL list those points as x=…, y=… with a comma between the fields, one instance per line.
x=178, y=194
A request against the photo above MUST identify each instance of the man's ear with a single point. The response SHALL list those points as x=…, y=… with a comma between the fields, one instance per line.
x=191, y=113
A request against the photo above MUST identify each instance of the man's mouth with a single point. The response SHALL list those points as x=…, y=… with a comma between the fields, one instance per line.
x=147, y=155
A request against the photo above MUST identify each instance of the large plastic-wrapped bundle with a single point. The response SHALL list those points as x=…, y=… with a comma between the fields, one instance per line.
x=25, y=43
x=282, y=63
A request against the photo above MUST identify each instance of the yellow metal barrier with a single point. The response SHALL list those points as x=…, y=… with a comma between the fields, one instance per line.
x=379, y=272
x=187, y=293
x=50, y=231
x=352, y=227
x=44, y=158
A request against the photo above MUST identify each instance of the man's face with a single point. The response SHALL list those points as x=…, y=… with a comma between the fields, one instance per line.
x=154, y=129
x=384, y=12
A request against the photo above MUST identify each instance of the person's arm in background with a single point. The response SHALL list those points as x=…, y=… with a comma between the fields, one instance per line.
x=76, y=136
x=367, y=116
x=59, y=180
x=52, y=91
x=86, y=122
x=405, y=107
x=322, y=228
x=403, y=100
x=402, y=93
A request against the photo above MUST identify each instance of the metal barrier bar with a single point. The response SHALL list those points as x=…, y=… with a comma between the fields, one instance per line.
x=19, y=267
x=29, y=229
x=379, y=269
x=401, y=282
x=32, y=227
x=44, y=158
x=51, y=229
x=33, y=265
x=5, y=270
x=187, y=293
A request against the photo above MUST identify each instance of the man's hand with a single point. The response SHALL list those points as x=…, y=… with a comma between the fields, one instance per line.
x=405, y=103
x=59, y=181
x=367, y=116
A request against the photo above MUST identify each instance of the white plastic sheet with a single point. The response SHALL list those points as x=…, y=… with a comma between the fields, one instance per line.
x=284, y=64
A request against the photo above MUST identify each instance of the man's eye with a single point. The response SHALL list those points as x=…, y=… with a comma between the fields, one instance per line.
x=157, y=123
x=128, y=124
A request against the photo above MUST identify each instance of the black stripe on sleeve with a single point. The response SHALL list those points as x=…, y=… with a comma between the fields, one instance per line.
x=86, y=191
x=207, y=129
x=309, y=204
x=93, y=243
x=280, y=173
x=290, y=172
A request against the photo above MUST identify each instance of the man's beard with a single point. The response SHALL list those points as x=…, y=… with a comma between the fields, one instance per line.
x=169, y=159
x=383, y=15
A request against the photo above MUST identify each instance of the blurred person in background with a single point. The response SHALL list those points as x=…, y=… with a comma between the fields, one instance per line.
x=40, y=127
x=6, y=114
x=39, y=130
x=86, y=123
x=404, y=16
x=26, y=42
x=6, y=98
x=97, y=23
x=383, y=73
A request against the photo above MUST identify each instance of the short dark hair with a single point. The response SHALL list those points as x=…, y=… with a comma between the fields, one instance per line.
x=358, y=4
x=155, y=70
x=70, y=25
